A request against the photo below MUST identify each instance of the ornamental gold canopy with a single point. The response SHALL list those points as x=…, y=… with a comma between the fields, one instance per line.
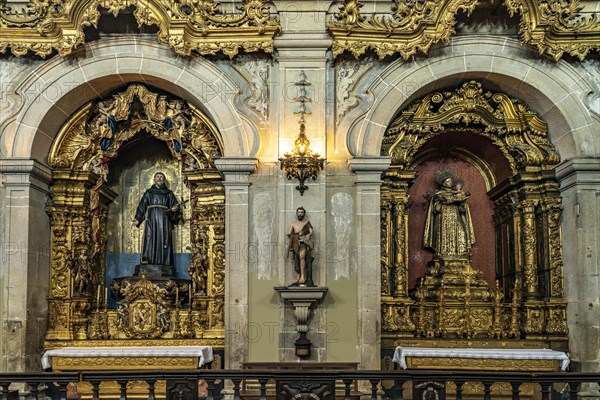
x=554, y=27
x=517, y=131
x=186, y=25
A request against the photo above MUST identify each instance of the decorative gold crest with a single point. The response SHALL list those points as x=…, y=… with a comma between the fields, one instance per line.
x=412, y=26
x=186, y=25
x=515, y=129
x=554, y=27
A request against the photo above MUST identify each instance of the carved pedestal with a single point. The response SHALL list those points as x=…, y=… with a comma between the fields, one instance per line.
x=302, y=298
x=450, y=277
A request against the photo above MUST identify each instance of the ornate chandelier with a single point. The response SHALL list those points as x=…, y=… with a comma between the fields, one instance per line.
x=301, y=163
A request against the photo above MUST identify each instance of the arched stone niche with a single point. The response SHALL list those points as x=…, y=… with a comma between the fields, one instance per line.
x=503, y=150
x=83, y=157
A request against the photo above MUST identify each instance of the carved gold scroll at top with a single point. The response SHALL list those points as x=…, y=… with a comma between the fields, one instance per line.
x=87, y=210
x=452, y=301
x=186, y=25
x=554, y=27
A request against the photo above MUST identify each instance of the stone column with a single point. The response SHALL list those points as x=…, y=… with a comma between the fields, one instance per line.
x=24, y=262
x=580, y=187
x=236, y=172
x=368, y=183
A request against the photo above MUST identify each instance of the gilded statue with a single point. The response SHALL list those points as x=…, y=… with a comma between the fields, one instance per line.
x=448, y=227
x=161, y=211
x=301, y=245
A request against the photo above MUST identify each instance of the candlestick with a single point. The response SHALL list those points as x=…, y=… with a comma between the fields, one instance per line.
x=105, y=298
x=190, y=297
x=177, y=297
x=98, y=296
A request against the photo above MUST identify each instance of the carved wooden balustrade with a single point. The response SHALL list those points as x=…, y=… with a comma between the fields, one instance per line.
x=313, y=384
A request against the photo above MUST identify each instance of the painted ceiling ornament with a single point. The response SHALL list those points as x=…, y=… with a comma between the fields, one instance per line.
x=42, y=26
x=519, y=133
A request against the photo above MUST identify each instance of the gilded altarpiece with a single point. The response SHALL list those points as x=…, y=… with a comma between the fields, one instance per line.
x=83, y=153
x=452, y=304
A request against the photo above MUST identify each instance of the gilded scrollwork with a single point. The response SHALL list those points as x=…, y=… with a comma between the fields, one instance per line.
x=529, y=242
x=186, y=25
x=556, y=27
x=552, y=26
x=517, y=131
x=409, y=28
x=534, y=319
x=555, y=248
x=556, y=322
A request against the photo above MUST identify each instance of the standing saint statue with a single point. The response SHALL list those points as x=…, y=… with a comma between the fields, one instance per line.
x=161, y=210
x=301, y=246
x=448, y=228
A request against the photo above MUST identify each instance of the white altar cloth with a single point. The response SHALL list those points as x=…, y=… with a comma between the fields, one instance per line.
x=502, y=354
x=204, y=353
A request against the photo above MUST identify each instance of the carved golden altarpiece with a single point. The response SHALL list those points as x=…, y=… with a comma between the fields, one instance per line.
x=452, y=305
x=174, y=314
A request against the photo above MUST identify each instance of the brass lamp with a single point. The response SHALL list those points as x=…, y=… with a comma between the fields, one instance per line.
x=301, y=163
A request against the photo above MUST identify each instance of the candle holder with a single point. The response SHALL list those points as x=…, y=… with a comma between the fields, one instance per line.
x=302, y=163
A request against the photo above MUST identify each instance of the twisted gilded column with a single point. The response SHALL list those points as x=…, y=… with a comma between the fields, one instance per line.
x=529, y=246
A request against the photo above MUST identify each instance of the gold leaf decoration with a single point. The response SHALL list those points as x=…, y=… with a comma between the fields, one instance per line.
x=412, y=26
x=186, y=25
x=518, y=132
x=556, y=27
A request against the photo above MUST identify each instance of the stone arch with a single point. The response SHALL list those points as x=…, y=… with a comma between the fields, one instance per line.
x=56, y=89
x=555, y=92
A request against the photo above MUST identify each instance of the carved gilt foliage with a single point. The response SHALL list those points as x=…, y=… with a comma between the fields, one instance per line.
x=555, y=27
x=516, y=130
x=186, y=25
x=411, y=27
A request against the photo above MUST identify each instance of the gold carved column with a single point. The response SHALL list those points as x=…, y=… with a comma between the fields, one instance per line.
x=207, y=268
x=71, y=250
x=395, y=204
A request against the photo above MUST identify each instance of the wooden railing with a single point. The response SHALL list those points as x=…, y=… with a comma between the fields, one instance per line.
x=302, y=384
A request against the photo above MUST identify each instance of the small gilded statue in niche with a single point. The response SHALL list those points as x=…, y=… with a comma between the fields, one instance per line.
x=83, y=274
x=161, y=211
x=448, y=228
x=301, y=245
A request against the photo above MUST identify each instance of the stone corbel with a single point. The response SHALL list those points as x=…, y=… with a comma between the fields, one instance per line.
x=302, y=299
